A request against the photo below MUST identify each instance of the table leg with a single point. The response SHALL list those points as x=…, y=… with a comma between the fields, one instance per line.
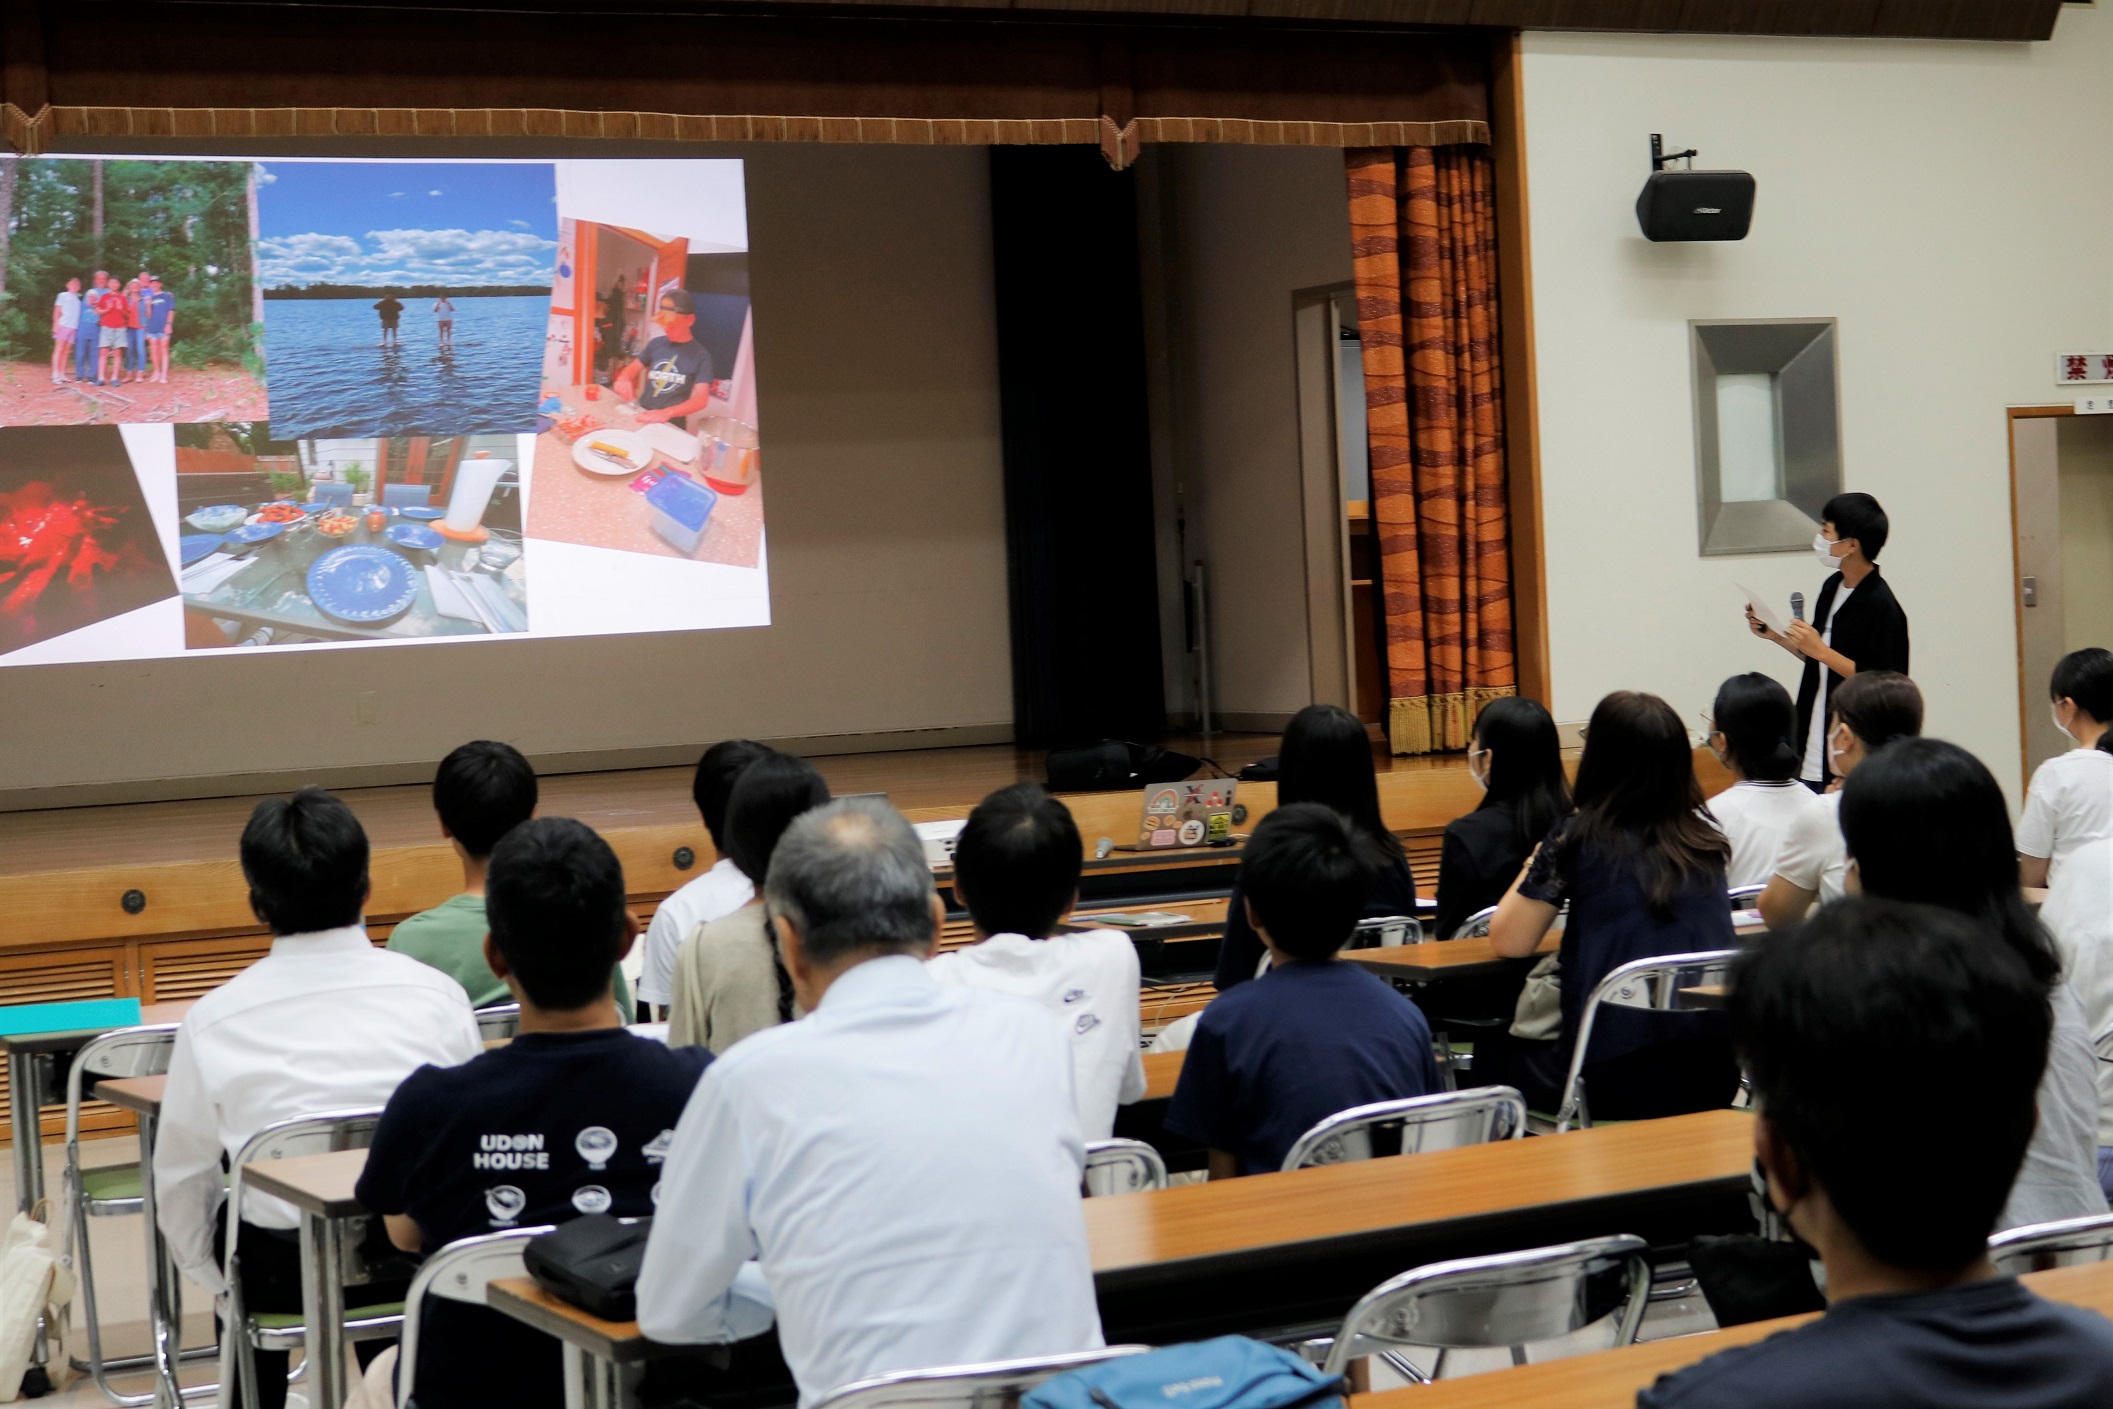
x=594, y=1383
x=323, y=1311
x=164, y=1284
x=25, y=1111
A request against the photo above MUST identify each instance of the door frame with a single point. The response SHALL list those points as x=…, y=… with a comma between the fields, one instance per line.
x=2030, y=436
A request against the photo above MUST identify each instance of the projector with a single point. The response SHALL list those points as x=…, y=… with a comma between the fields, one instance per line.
x=1693, y=205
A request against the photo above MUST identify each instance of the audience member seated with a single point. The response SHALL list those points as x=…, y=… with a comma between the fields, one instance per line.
x=1895, y=1050
x=1272, y=1059
x=1750, y=728
x=573, y=1116
x=1642, y=869
x=482, y=792
x=1870, y=710
x=2079, y=914
x=904, y=1162
x=1926, y=821
x=1325, y=757
x=1016, y=869
x=324, y=1022
x=1518, y=760
x=728, y=980
x=2070, y=801
x=719, y=892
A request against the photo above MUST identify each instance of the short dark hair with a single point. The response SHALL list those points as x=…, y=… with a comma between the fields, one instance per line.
x=1879, y=706
x=714, y=782
x=851, y=876
x=1308, y=877
x=305, y=858
x=1756, y=717
x=482, y=791
x=769, y=793
x=1017, y=862
x=2085, y=676
x=554, y=897
x=1858, y=516
x=1867, y=1031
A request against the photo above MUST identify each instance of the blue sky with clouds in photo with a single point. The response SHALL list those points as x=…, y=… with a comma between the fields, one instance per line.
x=463, y=223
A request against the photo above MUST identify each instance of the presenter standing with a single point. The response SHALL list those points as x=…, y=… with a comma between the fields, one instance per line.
x=1857, y=624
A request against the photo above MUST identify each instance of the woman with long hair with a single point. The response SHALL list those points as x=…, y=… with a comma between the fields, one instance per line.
x=1517, y=758
x=1326, y=757
x=1870, y=710
x=1925, y=821
x=1642, y=869
x=1750, y=725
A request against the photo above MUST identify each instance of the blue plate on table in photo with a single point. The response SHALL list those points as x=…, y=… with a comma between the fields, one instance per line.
x=195, y=547
x=255, y=533
x=412, y=535
x=426, y=515
x=362, y=584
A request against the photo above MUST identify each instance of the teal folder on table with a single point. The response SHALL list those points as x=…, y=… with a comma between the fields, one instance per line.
x=87, y=1016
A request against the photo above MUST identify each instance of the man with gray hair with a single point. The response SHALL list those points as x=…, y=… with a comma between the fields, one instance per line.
x=903, y=1163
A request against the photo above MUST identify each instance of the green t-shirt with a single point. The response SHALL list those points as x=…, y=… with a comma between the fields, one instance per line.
x=450, y=937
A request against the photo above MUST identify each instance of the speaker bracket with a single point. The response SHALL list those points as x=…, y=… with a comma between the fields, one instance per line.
x=1660, y=156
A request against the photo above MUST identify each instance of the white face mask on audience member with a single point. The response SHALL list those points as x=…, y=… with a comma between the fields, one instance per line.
x=1823, y=548
x=1480, y=775
x=1840, y=742
x=2054, y=712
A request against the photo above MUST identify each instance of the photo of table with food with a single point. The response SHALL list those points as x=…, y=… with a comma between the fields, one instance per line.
x=360, y=540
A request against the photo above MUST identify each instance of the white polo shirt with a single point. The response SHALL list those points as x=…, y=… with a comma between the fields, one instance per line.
x=2069, y=803
x=1089, y=980
x=1756, y=818
x=1814, y=856
x=714, y=895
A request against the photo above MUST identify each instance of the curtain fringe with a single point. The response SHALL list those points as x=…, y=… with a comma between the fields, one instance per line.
x=1438, y=723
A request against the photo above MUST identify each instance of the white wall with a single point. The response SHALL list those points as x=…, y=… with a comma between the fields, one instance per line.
x=876, y=345
x=1946, y=202
x=1253, y=226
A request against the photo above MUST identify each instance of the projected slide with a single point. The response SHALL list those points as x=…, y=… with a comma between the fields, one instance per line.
x=315, y=405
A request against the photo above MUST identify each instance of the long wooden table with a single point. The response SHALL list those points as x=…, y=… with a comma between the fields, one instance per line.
x=1439, y=958
x=1611, y=1378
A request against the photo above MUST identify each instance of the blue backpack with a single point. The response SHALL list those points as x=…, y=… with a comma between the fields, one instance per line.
x=1231, y=1372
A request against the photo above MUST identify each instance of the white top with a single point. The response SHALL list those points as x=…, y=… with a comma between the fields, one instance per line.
x=1814, y=856
x=1816, y=735
x=714, y=895
x=69, y=305
x=324, y=1022
x=2079, y=914
x=2059, y=1177
x=1756, y=818
x=905, y=1161
x=2070, y=803
x=1089, y=981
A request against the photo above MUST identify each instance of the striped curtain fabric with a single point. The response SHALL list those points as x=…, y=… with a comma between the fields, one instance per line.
x=1423, y=224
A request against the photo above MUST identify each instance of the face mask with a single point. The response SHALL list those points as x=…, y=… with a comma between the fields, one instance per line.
x=1480, y=775
x=1834, y=751
x=2054, y=712
x=1824, y=551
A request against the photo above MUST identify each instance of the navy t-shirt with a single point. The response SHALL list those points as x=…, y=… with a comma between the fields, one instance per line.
x=1275, y=1057
x=546, y=1128
x=672, y=371
x=1986, y=1345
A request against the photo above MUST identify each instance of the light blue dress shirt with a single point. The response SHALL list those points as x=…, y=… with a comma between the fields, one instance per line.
x=904, y=1163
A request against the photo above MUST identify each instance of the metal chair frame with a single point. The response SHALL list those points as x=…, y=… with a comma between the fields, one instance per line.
x=128, y=1051
x=1385, y=932
x=501, y=1022
x=1500, y=1110
x=996, y=1384
x=1649, y=985
x=1505, y=1302
x=242, y=1337
x=1126, y=1167
x=461, y=1271
x=1748, y=912
x=1476, y=926
x=2066, y=1243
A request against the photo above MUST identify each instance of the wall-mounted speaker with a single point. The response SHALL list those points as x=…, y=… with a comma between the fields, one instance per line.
x=1693, y=205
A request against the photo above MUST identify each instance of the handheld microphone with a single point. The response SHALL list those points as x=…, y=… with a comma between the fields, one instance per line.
x=1797, y=606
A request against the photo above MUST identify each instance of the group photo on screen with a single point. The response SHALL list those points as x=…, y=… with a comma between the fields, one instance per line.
x=650, y=442
x=131, y=293
x=289, y=543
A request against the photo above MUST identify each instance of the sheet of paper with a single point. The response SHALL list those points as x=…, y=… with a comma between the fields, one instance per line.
x=1768, y=615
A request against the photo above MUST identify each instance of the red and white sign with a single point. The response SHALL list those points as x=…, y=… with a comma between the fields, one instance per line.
x=2072, y=367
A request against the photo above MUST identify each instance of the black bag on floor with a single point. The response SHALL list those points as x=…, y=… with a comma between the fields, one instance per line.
x=1114, y=764
x=591, y=1263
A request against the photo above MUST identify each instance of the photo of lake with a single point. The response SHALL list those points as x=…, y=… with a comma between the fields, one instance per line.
x=330, y=373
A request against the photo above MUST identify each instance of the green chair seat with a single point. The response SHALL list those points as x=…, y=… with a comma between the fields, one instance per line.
x=291, y=1320
x=111, y=1181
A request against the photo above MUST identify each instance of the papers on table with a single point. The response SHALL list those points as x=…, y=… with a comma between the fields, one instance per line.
x=1136, y=919
x=1761, y=609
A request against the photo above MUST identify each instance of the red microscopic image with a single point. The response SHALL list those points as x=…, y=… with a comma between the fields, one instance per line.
x=77, y=544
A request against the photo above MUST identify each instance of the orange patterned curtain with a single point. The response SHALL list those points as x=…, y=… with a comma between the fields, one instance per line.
x=1423, y=225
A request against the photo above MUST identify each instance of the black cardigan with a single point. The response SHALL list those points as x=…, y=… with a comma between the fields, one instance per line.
x=1872, y=632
